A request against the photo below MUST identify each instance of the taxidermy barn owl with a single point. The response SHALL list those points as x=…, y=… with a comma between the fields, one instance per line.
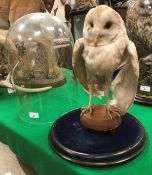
x=105, y=48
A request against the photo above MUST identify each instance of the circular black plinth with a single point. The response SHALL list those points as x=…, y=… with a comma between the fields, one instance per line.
x=143, y=100
x=72, y=142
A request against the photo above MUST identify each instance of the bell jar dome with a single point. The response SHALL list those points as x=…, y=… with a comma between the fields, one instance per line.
x=39, y=50
x=38, y=45
x=139, y=28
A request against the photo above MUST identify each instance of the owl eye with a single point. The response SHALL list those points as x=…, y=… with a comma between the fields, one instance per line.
x=108, y=25
x=141, y=5
x=91, y=24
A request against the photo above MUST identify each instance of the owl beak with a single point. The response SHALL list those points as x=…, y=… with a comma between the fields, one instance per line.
x=96, y=41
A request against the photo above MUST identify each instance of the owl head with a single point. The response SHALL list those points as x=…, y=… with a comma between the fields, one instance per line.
x=144, y=7
x=102, y=26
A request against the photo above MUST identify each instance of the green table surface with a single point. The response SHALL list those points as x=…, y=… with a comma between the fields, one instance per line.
x=28, y=138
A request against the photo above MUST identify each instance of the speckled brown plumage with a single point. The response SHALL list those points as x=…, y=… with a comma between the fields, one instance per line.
x=139, y=26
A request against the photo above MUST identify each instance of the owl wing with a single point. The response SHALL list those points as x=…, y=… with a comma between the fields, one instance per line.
x=125, y=83
x=78, y=63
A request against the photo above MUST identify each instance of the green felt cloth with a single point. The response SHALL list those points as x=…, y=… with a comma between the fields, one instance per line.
x=29, y=141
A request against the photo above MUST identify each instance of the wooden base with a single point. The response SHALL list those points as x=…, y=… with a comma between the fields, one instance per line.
x=100, y=120
x=39, y=83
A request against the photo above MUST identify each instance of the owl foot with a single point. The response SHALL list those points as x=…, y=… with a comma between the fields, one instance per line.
x=113, y=111
x=87, y=109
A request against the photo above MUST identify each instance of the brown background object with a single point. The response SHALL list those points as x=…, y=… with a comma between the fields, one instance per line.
x=49, y=4
x=11, y=10
x=4, y=13
x=20, y=8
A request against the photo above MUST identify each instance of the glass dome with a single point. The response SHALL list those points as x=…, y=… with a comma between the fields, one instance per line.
x=139, y=27
x=38, y=45
x=39, y=48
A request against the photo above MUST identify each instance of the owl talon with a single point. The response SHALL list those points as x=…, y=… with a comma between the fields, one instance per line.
x=86, y=110
x=113, y=111
x=109, y=114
